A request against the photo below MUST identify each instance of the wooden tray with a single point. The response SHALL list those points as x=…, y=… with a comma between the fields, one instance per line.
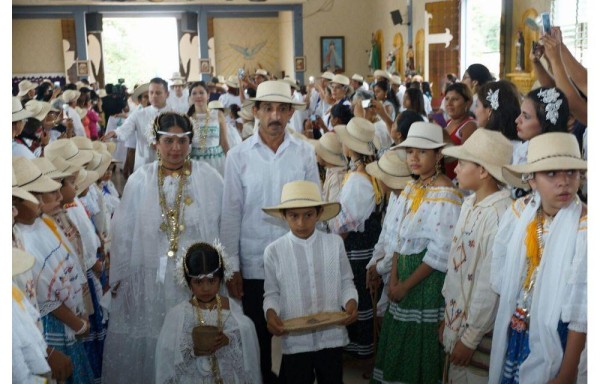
x=316, y=321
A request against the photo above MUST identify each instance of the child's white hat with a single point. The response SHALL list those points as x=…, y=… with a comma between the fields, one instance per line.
x=303, y=194
x=391, y=169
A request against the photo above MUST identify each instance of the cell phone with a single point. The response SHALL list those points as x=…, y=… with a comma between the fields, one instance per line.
x=546, y=26
x=65, y=108
x=57, y=84
x=366, y=103
x=313, y=117
x=311, y=79
x=241, y=73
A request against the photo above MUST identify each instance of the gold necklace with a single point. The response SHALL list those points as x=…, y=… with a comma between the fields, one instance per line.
x=214, y=364
x=418, y=192
x=171, y=216
x=203, y=131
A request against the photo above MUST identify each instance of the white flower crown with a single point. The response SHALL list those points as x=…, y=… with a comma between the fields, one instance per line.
x=492, y=97
x=551, y=98
x=223, y=262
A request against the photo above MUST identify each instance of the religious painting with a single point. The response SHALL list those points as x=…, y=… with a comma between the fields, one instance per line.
x=83, y=68
x=333, y=54
x=300, y=63
x=204, y=65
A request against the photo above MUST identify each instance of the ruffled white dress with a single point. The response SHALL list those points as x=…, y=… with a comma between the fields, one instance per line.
x=175, y=359
x=148, y=278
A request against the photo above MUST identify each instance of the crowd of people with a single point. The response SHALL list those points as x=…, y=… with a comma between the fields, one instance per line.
x=449, y=245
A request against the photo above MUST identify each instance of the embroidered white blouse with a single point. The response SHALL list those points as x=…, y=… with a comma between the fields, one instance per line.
x=431, y=226
x=358, y=202
x=304, y=277
x=470, y=302
x=254, y=178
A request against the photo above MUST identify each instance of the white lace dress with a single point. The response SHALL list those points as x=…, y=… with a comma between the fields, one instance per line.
x=175, y=359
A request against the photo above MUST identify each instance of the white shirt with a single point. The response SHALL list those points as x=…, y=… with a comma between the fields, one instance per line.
x=227, y=99
x=19, y=149
x=254, y=178
x=381, y=131
x=139, y=122
x=77, y=124
x=179, y=104
x=304, y=277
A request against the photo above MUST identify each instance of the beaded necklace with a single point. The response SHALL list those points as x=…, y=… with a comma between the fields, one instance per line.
x=418, y=191
x=202, y=132
x=171, y=216
x=214, y=364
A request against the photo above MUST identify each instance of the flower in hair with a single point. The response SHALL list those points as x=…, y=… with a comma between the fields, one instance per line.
x=492, y=97
x=181, y=271
x=551, y=98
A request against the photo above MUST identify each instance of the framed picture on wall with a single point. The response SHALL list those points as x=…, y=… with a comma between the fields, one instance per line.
x=83, y=68
x=204, y=65
x=300, y=63
x=333, y=52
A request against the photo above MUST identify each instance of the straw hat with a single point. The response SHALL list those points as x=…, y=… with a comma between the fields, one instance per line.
x=178, y=82
x=490, y=149
x=551, y=151
x=215, y=104
x=83, y=143
x=21, y=261
x=84, y=179
x=176, y=76
x=329, y=148
x=397, y=80
x=139, y=90
x=424, y=136
x=38, y=109
x=104, y=160
x=48, y=169
x=20, y=192
x=67, y=149
x=303, y=194
x=30, y=178
x=327, y=75
x=18, y=112
x=341, y=79
x=277, y=92
x=95, y=162
x=246, y=114
x=111, y=146
x=358, y=78
x=102, y=93
x=69, y=95
x=359, y=136
x=64, y=166
x=26, y=86
x=261, y=72
x=233, y=82
x=391, y=169
x=291, y=82
x=381, y=73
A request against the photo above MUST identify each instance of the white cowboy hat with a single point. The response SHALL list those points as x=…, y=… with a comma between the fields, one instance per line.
x=290, y=81
x=69, y=95
x=48, y=169
x=381, y=73
x=391, y=169
x=341, y=79
x=303, y=194
x=18, y=112
x=357, y=77
x=277, y=92
x=84, y=179
x=215, y=104
x=397, y=80
x=233, y=82
x=64, y=166
x=359, y=136
x=261, y=72
x=178, y=82
x=139, y=90
x=327, y=75
x=550, y=151
x=30, y=178
x=25, y=86
x=20, y=192
x=176, y=76
x=329, y=148
x=67, y=149
x=21, y=261
x=423, y=135
x=38, y=109
x=490, y=149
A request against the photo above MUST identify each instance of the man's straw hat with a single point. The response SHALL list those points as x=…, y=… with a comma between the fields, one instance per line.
x=48, y=169
x=553, y=151
x=25, y=86
x=303, y=194
x=18, y=112
x=67, y=149
x=391, y=169
x=20, y=192
x=277, y=92
x=424, y=135
x=84, y=179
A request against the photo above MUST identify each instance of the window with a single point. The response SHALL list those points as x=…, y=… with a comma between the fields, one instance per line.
x=481, y=40
x=571, y=17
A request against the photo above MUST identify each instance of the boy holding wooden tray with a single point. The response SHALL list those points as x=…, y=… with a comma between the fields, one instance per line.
x=308, y=280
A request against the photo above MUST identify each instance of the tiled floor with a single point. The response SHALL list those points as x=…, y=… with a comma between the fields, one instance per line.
x=353, y=369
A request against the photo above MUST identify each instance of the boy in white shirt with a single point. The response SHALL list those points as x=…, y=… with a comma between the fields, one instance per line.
x=307, y=272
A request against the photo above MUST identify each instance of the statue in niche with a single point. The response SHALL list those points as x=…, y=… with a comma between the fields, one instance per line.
x=390, y=62
x=520, y=46
x=410, y=59
x=375, y=62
